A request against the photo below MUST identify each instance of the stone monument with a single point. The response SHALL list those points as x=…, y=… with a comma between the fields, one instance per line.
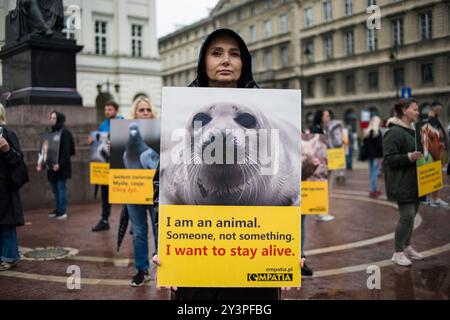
x=39, y=64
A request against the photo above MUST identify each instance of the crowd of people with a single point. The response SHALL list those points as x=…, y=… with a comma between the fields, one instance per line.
x=226, y=62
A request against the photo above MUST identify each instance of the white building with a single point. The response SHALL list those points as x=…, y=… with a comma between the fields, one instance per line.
x=120, y=48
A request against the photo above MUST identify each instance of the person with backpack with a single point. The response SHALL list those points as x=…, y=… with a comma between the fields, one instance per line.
x=58, y=174
x=11, y=213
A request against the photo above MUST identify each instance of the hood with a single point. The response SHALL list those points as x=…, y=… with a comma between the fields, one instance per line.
x=60, y=120
x=246, y=80
x=398, y=122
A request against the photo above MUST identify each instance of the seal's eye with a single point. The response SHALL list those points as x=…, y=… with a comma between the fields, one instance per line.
x=201, y=117
x=246, y=120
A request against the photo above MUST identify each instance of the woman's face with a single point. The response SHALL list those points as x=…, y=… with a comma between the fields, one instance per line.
x=53, y=119
x=223, y=62
x=144, y=111
x=412, y=112
x=325, y=117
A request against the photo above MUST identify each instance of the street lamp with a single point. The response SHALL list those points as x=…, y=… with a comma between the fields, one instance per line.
x=394, y=57
x=108, y=85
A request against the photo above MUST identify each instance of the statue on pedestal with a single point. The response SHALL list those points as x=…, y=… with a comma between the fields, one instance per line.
x=43, y=17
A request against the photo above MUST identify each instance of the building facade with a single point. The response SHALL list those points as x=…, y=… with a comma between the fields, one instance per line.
x=120, y=58
x=328, y=49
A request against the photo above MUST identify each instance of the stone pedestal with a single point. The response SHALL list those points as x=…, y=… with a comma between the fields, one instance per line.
x=40, y=71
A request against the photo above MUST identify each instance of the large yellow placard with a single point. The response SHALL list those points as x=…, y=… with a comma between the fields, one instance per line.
x=227, y=246
x=314, y=197
x=336, y=159
x=99, y=173
x=429, y=178
x=131, y=186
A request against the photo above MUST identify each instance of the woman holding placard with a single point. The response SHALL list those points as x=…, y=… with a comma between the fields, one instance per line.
x=142, y=108
x=400, y=157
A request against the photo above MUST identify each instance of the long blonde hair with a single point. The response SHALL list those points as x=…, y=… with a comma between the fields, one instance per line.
x=374, y=125
x=136, y=103
x=2, y=114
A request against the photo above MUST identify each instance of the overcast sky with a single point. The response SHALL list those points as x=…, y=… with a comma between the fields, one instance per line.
x=180, y=12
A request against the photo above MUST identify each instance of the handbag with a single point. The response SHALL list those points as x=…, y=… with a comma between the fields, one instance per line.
x=18, y=172
x=364, y=150
x=19, y=175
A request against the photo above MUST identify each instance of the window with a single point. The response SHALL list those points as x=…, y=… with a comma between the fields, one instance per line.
x=426, y=25
x=371, y=3
x=397, y=32
x=252, y=33
x=310, y=88
x=283, y=23
x=268, y=59
x=284, y=56
x=268, y=4
x=309, y=17
x=136, y=40
x=399, y=77
x=348, y=43
x=350, y=83
x=328, y=46
x=372, y=41
x=253, y=11
x=427, y=73
x=100, y=37
x=373, y=80
x=309, y=51
x=268, y=28
x=348, y=7
x=327, y=11
x=329, y=86
x=254, y=56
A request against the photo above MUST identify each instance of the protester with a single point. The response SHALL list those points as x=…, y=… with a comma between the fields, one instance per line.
x=59, y=173
x=111, y=112
x=400, y=156
x=320, y=121
x=374, y=142
x=142, y=108
x=434, y=119
x=11, y=214
x=225, y=62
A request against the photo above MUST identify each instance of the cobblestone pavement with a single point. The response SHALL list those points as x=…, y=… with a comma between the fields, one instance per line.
x=339, y=252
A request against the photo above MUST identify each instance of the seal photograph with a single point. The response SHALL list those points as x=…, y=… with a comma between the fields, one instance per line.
x=238, y=150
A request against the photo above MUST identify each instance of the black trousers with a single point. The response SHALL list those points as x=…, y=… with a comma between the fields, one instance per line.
x=106, y=206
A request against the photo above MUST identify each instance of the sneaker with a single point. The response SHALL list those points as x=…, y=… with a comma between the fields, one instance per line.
x=102, y=225
x=400, y=259
x=325, y=217
x=140, y=278
x=53, y=214
x=7, y=265
x=413, y=254
x=442, y=203
x=433, y=203
x=306, y=271
x=61, y=216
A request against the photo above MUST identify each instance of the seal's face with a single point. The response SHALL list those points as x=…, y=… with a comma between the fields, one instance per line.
x=227, y=132
x=224, y=146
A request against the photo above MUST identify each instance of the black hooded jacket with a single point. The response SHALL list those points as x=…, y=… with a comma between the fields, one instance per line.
x=245, y=81
x=66, y=150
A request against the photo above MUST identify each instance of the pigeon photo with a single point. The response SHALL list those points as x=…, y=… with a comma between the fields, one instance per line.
x=99, y=148
x=135, y=144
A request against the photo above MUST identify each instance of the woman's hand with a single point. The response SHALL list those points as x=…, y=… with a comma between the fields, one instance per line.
x=414, y=156
x=157, y=263
x=4, y=146
x=56, y=167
